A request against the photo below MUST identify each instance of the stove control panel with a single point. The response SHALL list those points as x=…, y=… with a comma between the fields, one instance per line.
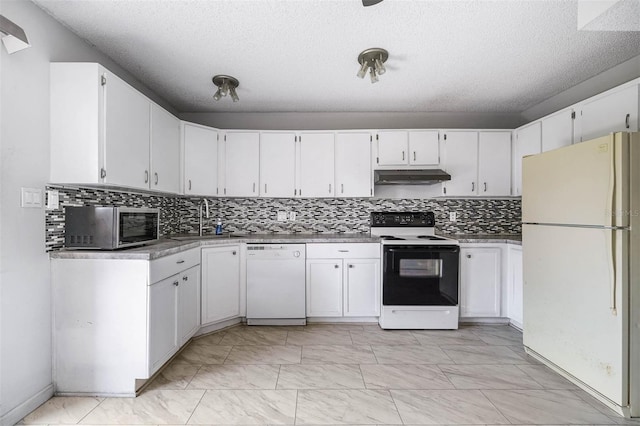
x=395, y=219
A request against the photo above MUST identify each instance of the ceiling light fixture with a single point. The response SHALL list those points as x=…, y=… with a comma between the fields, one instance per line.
x=14, y=38
x=372, y=60
x=226, y=85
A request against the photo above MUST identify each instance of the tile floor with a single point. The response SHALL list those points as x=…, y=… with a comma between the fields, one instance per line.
x=346, y=374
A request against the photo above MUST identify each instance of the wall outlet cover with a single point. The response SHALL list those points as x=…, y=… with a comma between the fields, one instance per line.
x=53, y=199
x=292, y=215
x=453, y=216
x=282, y=216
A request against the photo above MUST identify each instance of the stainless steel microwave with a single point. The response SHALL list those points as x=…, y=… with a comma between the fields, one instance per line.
x=110, y=228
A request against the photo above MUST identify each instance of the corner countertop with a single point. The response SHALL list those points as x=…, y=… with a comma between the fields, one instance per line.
x=515, y=239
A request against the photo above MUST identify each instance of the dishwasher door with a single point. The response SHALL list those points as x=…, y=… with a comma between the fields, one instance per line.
x=276, y=284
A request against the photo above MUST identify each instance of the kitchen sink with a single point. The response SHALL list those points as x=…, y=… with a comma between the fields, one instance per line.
x=206, y=237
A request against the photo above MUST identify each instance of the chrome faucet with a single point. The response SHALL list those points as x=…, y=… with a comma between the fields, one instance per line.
x=206, y=207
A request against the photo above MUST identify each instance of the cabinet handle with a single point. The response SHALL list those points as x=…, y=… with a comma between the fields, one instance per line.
x=336, y=266
x=295, y=192
x=146, y=176
x=351, y=266
x=185, y=278
x=103, y=173
x=180, y=261
x=156, y=174
x=414, y=156
x=189, y=184
x=342, y=187
x=343, y=251
x=473, y=186
x=233, y=252
x=626, y=121
x=329, y=188
x=176, y=283
x=485, y=187
x=254, y=187
x=265, y=188
x=402, y=155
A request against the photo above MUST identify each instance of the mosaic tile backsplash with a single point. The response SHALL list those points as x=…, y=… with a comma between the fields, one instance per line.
x=179, y=214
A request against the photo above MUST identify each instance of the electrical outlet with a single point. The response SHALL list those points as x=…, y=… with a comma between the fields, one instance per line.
x=292, y=216
x=453, y=216
x=282, y=216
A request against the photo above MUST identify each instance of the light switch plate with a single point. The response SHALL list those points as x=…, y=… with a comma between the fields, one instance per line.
x=453, y=216
x=292, y=215
x=282, y=216
x=53, y=199
x=31, y=197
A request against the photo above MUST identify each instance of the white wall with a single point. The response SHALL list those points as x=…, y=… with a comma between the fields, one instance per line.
x=25, y=312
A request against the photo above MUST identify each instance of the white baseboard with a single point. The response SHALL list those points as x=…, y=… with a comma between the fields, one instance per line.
x=210, y=328
x=16, y=414
x=482, y=320
x=342, y=320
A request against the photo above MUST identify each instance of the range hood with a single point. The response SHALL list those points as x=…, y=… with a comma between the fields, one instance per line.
x=410, y=177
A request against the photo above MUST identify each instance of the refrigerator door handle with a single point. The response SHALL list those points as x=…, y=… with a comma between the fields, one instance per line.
x=612, y=270
x=612, y=181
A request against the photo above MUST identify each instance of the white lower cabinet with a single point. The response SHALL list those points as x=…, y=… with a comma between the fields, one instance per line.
x=221, y=289
x=480, y=281
x=343, y=280
x=514, y=285
x=124, y=323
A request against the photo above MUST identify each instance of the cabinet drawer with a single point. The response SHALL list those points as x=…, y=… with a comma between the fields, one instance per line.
x=170, y=265
x=343, y=251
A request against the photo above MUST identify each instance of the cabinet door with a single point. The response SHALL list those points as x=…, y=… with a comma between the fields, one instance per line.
x=615, y=112
x=200, y=160
x=317, y=154
x=277, y=164
x=242, y=164
x=165, y=151
x=127, y=134
x=557, y=130
x=188, y=304
x=424, y=147
x=220, y=283
x=514, y=292
x=324, y=288
x=494, y=163
x=361, y=287
x=480, y=282
x=354, y=176
x=526, y=142
x=461, y=162
x=162, y=321
x=392, y=148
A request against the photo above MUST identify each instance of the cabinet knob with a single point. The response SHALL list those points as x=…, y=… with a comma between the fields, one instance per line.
x=468, y=256
x=352, y=266
x=233, y=252
x=336, y=266
x=176, y=283
x=185, y=278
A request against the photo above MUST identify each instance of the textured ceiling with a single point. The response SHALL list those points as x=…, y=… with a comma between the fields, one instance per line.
x=300, y=55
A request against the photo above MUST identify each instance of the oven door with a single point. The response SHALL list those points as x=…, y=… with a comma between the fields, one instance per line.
x=420, y=275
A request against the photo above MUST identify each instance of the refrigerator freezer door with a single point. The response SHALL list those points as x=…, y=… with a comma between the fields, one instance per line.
x=570, y=277
x=582, y=184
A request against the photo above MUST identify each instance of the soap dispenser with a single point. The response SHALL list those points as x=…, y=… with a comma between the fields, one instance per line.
x=219, y=227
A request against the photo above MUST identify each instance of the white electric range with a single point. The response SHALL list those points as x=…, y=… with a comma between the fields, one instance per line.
x=420, y=271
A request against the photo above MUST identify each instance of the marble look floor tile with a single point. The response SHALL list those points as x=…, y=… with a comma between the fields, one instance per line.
x=377, y=376
x=333, y=354
x=338, y=327
x=446, y=407
x=383, y=337
x=198, y=354
x=319, y=336
x=174, y=376
x=329, y=376
x=500, y=335
x=410, y=354
x=519, y=349
x=62, y=410
x=545, y=407
x=613, y=415
x=447, y=337
x=236, y=377
x=547, y=377
x=246, y=407
x=321, y=407
x=489, y=377
x=151, y=407
x=264, y=355
x=462, y=354
x=255, y=336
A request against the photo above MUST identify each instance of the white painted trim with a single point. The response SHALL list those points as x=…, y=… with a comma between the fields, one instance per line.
x=342, y=320
x=18, y=413
x=210, y=328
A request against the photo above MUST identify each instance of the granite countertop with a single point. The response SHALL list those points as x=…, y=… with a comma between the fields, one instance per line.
x=178, y=243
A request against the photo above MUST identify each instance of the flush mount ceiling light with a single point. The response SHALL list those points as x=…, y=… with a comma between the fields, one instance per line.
x=372, y=60
x=14, y=38
x=226, y=85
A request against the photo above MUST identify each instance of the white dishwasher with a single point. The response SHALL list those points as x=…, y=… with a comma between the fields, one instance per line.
x=276, y=284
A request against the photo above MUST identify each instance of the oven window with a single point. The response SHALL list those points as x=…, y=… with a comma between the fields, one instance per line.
x=420, y=275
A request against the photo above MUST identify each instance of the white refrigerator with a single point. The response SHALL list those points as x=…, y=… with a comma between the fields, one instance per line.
x=581, y=260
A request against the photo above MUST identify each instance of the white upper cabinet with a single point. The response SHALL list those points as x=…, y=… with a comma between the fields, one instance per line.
x=393, y=148
x=165, y=151
x=615, y=111
x=354, y=174
x=557, y=130
x=200, y=145
x=461, y=162
x=527, y=141
x=102, y=132
x=242, y=164
x=278, y=164
x=494, y=163
x=316, y=164
x=412, y=148
x=424, y=147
